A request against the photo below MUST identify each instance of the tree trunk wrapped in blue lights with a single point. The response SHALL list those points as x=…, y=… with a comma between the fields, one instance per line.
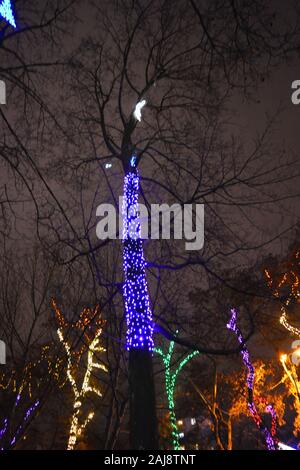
x=136, y=296
x=139, y=339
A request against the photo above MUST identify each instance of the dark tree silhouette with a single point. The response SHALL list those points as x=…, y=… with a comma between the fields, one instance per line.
x=188, y=61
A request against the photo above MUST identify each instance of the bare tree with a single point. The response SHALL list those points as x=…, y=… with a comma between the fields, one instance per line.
x=184, y=61
x=187, y=61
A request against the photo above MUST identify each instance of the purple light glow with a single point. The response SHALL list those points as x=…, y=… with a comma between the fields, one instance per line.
x=232, y=325
x=3, y=430
x=137, y=302
x=28, y=413
x=25, y=419
x=270, y=437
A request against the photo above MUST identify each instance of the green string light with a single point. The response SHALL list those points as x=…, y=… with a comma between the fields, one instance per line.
x=170, y=382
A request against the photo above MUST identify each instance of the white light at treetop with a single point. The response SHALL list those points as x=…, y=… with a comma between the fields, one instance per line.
x=138, y=108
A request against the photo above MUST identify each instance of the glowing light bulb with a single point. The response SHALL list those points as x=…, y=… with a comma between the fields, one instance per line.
x=297, y=352
x=283, y=357
x=133, y=161
x=138, y=108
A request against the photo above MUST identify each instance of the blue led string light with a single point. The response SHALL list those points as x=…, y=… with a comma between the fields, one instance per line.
x=7, y=13
x=136, y=295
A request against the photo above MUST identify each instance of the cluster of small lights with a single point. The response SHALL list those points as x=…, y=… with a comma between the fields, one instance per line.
x=20, y=428
x=30, y=385
x=93, y=347
x=270, y=435
x=288, y=278
x=7, y=13
x=54, y=370
x=28, y=413
x=291, y=279
x=7, y=382
x=4, y=427
x=232, y=325
x=170, y=381
x=136, y=296
x=284, y=321
x=88, y=317
x=88, y=320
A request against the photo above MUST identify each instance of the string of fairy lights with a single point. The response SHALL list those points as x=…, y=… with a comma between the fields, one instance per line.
x=6, y=424
x=89, y=324
x=54, y=370
x=136, y=296
x=290, y=278
x=270, y=434
x=92, y=346
x=27, y=415
x=170, y=383
x=73, y=356
x=48, y=368
x=139, y=330
x=24, y=388
x=139, y=333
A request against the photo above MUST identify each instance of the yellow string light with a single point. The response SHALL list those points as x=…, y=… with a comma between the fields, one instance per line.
x=93, y=347
x=10, y=380
x=284, y=322
x=289, y=278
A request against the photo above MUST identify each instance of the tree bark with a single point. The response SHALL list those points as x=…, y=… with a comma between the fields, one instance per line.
x=139, y=338
x=143, y=425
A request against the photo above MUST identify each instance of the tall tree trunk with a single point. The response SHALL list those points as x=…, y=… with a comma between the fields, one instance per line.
x=139, y=340
x=143, y=426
